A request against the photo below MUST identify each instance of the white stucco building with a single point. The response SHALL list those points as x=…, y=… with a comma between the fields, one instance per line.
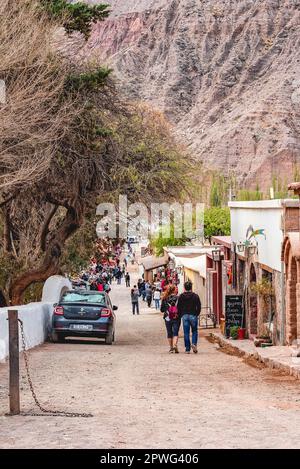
x=262, y=267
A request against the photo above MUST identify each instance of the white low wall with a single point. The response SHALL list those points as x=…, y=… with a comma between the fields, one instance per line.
x=35, y=316
x=54, y=287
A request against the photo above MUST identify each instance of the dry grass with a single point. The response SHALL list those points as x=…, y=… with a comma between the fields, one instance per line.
x=32, y=121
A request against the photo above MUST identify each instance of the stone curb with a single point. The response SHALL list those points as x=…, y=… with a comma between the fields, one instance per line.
x=283, y=364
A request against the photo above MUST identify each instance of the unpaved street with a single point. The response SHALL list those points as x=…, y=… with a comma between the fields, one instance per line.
x=143, y=397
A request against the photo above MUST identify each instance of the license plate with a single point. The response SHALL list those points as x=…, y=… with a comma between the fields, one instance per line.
x=81, y=327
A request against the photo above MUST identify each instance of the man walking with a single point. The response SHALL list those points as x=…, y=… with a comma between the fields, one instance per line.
x=143, y=290
x=135, y=300
x=189, y=308
x=149, y=293
x=119, y=276
x=127, y=279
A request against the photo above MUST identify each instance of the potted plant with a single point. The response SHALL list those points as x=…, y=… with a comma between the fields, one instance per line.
x=241, y=333
x=234, y=332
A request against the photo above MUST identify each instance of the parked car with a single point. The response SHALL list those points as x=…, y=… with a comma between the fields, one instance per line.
x=84, y=313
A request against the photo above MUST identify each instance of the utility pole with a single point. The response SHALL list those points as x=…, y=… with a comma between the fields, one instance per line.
x=14, y=370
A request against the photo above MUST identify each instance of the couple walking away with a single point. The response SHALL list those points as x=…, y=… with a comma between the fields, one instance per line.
x=185, y=308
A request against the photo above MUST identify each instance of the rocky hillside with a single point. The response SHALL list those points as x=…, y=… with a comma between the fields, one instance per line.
x=226, y=73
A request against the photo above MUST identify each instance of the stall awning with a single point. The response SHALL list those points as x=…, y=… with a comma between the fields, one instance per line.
x=197, y=264
x=153, y=262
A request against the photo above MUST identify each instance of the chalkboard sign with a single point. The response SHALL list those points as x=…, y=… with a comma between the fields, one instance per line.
x=233, y=312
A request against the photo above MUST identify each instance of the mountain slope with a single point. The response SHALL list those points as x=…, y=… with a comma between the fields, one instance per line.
x=225, y=73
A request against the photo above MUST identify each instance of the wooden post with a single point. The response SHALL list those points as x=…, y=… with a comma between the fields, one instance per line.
x=14, y=381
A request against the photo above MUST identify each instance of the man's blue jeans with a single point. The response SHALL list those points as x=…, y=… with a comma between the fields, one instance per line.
x=190, y=321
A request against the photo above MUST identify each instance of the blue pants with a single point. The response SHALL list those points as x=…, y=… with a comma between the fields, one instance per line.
x=135, y=307
x=190, y=321
x=157, y=303
x=172, y=327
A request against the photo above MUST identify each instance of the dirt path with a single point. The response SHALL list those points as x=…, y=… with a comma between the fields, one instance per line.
x=142, y=397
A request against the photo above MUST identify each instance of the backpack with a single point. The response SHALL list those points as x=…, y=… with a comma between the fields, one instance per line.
x=172, y=310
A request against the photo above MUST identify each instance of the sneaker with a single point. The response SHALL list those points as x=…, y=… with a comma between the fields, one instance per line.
x=187, y=351
x=176, y=349
x=171, y=350
x=194, y=347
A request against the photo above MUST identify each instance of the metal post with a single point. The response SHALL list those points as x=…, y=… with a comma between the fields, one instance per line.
x=14, y=371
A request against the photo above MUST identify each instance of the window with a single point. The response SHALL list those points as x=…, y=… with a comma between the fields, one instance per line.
x=76, y=297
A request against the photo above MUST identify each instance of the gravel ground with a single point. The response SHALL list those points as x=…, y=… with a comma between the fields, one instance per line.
x=142, y=397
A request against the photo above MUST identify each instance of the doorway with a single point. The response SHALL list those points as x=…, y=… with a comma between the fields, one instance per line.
x=253, y=303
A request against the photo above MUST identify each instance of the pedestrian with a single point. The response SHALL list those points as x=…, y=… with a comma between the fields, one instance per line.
x=135, y=300
x=148, y=292
x=127, y=279
x=119, y=276
x=171, y=317
x=156, y=298
x=189, y=308
x=139, y=285
x=143, y=290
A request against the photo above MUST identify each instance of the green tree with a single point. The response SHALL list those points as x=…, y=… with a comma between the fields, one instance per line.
x=104, y=147
x=215, y=197
x=216, y=222
x=164, y=238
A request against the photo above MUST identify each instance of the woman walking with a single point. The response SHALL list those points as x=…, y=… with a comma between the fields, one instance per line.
x=156, y=297
x=171, y=317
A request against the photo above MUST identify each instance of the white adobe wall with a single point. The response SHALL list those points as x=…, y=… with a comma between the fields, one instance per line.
x=54, y=287
x=267, y=215
x=35, y=316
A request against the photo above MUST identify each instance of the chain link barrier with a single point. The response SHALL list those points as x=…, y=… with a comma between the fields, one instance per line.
x=44, y=412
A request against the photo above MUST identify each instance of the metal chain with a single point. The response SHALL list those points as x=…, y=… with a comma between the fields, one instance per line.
x=48, y=412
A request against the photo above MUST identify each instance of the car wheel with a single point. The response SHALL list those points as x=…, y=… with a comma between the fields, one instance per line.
x=57, y=337
x=109, y=337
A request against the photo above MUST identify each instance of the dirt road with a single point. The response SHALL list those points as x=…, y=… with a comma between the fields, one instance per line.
x=143, y=397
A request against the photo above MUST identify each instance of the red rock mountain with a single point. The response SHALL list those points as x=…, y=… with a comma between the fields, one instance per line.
x=226, y=73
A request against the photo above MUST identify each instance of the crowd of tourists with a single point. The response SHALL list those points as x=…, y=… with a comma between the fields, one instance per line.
x=99, y=276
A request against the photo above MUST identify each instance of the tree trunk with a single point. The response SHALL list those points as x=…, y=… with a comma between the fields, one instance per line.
x=53, y=252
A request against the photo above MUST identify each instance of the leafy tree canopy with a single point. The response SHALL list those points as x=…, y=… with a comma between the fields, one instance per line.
x=216, y=222
x=164, y=239
x=77, y=16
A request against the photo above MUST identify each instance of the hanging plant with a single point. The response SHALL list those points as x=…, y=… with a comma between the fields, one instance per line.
x=264, y=288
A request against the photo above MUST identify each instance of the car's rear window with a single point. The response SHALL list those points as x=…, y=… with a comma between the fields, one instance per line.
x=74, y=297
